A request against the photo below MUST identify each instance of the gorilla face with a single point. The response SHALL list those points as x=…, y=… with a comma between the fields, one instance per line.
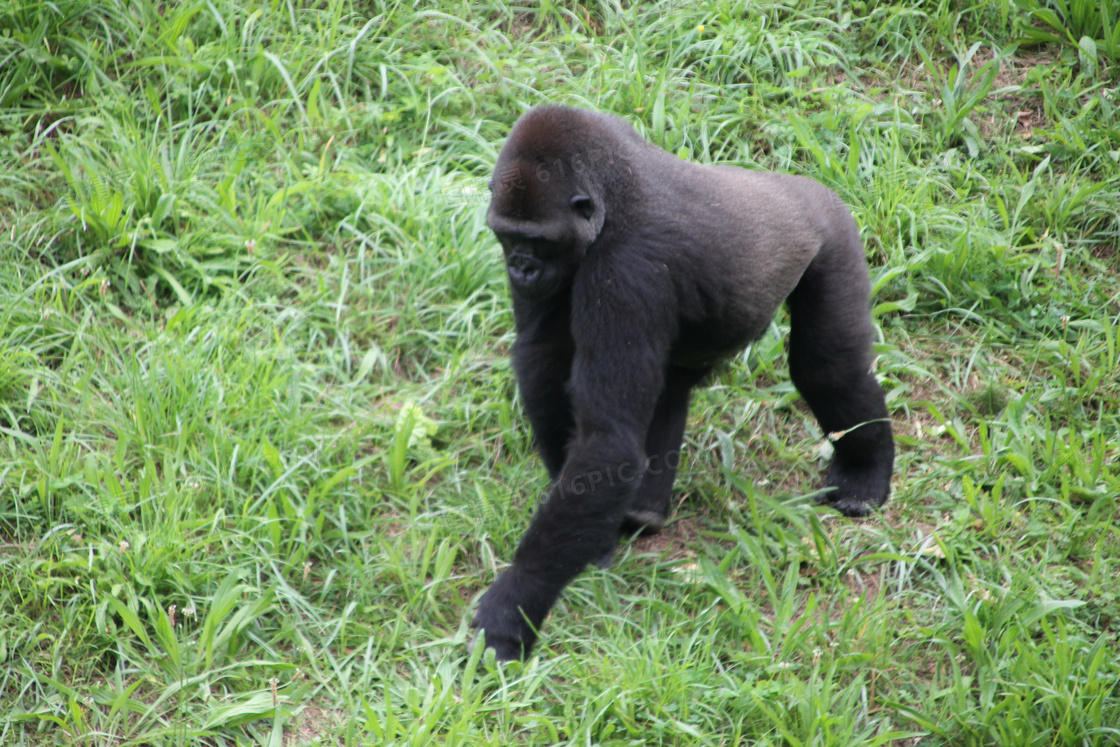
x=545, y=223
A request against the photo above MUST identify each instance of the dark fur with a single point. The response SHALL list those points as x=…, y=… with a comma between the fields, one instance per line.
x=632, y=277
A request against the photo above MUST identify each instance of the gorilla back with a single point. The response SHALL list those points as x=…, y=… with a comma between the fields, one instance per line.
x=633, y=273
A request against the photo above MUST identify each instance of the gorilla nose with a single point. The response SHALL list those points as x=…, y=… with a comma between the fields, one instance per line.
x=523, y=267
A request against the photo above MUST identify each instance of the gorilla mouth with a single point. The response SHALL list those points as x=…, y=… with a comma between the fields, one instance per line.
x=529, y=277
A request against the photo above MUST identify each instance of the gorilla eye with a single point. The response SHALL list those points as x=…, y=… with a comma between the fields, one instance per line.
x=583, y=205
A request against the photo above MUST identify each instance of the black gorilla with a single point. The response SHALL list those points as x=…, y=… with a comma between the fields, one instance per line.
x=633, y=273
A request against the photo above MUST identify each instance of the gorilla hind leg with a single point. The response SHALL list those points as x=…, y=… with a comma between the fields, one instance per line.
x=650, y=506
x=830, y=361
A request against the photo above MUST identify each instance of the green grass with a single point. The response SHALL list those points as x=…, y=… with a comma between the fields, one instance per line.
x=260, y=447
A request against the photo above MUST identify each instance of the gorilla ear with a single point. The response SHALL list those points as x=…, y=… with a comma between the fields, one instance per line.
x=583, y=205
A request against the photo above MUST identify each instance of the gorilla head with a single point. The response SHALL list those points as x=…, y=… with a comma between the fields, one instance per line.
x=546, y=209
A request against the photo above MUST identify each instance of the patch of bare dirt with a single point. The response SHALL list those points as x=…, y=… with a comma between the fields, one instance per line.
x=1028, y=110
x=312, y=724
x=675, y=541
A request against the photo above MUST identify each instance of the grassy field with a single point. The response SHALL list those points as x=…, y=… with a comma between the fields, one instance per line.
x=260, y=447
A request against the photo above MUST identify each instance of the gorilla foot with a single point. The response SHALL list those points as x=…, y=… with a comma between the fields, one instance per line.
x=646, y=521
x=857, y=489
x=607, y=560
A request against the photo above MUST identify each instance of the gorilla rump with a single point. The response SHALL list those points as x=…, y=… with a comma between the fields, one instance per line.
x=633, y=273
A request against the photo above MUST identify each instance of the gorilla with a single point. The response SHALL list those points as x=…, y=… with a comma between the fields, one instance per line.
x=633, y=273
